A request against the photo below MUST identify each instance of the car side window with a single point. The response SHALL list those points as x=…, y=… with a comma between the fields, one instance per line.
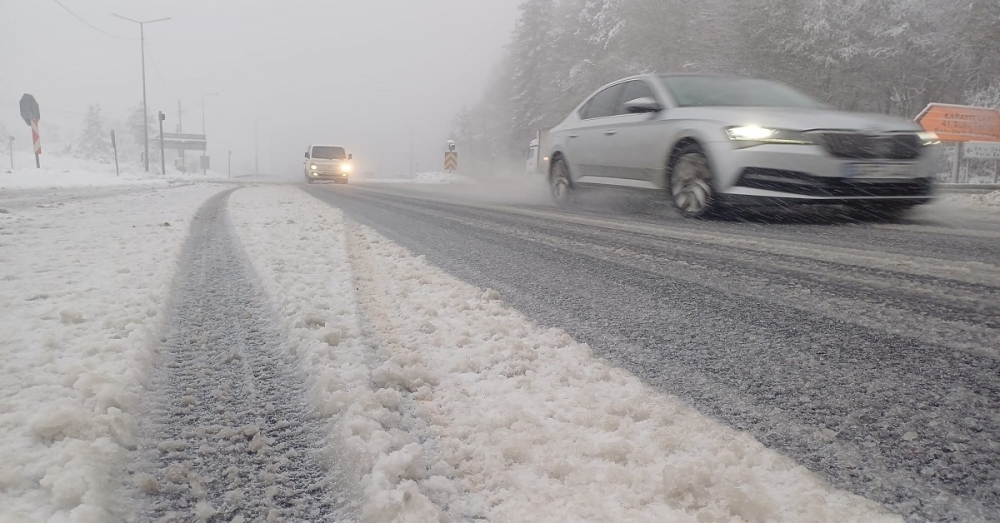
x=602, y=104
x=633, y=91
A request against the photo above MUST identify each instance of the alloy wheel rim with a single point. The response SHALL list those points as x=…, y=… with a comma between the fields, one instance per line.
x=691, y=188
x=560, y=183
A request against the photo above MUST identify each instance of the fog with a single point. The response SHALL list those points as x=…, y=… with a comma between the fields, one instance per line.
x=370, y=74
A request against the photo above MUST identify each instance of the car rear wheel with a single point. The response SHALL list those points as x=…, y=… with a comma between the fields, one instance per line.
x=560, y=183
x=691, y=184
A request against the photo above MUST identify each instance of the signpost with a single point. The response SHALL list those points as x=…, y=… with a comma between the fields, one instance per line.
x=10, y=149
x=163, y=159
x=31, y=115
x=983, y=150
x=114, y=146
x=961, y=124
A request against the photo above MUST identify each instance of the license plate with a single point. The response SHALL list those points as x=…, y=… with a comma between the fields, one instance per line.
x=877, y=170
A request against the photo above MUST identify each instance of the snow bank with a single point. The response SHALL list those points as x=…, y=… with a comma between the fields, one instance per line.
x=988, y=201
x=82, y=287
x=453, y=405
x=62, y=171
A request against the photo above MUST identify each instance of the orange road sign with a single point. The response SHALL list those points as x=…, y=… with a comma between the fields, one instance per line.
x=961, y=123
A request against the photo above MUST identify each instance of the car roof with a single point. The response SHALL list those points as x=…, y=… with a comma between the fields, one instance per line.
x=325, y=145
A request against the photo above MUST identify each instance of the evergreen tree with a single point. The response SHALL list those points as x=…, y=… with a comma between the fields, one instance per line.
x=530, y=56
x=95, y=142
x=134, y=148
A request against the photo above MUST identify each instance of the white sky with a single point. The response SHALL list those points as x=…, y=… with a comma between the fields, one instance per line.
x=361, y=73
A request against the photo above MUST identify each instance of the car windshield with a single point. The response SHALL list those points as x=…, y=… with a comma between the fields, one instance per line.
x=712, y=91
x=329, y=153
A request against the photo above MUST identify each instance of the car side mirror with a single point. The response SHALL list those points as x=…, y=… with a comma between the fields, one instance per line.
x=307, y=155
x=643, y=105
x=350, y=156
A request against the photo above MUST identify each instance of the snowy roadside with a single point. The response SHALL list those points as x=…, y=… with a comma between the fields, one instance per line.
x=82, y=291
x=454, y=406
x=988, y=201
x=62, y=173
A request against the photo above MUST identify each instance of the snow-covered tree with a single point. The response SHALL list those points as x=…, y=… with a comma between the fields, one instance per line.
x=95, y=141
x=530, y=55
x=4, y=142
x=133, y=148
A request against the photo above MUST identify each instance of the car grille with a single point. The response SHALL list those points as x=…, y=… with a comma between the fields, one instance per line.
x=872, y=147
x=808, y=185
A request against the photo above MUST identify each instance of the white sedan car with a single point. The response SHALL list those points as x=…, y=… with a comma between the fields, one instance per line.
x=715, y=141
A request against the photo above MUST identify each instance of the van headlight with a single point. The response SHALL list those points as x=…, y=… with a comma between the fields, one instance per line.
x=752, y=135
x=313, y=167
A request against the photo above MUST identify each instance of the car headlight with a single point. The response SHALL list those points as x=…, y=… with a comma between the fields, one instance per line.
x=928, y=139
x=345, y=168
x=752, y=135
x=313, y=167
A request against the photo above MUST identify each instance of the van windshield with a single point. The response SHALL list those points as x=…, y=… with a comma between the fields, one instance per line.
x=329, y=153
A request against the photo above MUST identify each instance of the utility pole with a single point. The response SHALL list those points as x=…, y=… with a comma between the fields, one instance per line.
x=230, y=164
x=204, y=131
x=180, y=129
x=145, y=111
x=10, y=148
x=410, y=168
x=256, y=149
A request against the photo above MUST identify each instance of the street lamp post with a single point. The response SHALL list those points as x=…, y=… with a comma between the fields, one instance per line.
x=145, y=112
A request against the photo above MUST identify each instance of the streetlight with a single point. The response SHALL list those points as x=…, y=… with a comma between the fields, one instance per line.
x=204, y=168
x=145, y=113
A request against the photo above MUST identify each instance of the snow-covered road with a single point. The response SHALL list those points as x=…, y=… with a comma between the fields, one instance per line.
x=184, y=352
x=866, y=352
x=454, y=406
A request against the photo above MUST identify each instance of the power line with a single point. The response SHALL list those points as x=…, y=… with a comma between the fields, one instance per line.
x=88, y=24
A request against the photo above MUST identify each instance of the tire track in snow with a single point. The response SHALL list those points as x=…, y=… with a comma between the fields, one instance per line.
x=399, y=367
x=231, y=437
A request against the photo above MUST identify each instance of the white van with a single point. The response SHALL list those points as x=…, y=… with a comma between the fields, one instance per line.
x=328, y=162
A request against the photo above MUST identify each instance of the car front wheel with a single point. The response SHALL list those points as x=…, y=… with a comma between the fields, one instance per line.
x=691, y=184
x=560, y=183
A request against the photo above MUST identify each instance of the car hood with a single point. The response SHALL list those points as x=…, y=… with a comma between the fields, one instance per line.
x=794, y=119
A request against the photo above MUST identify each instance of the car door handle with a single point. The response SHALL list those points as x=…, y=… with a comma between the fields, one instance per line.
x=612, y=132
x=574, y=136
